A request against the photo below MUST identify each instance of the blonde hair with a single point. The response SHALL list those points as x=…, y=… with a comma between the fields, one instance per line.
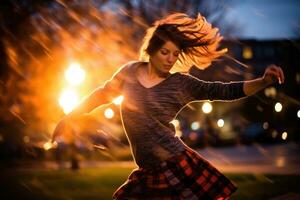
x=196, y=38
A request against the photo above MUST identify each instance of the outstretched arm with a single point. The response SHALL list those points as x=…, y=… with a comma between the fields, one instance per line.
x=196, y=89
x=271, y=75
x=102, y=95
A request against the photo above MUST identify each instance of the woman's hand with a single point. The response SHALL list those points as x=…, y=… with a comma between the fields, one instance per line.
x=272, y=74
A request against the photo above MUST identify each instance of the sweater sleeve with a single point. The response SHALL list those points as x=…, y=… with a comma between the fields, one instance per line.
x=196, y=89
x=107, y=92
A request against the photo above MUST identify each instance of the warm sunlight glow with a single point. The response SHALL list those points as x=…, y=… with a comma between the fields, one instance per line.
x=118, y=100
x=74, y=74
x=109, y=113
x=207, y=107
x=68, y=100
x=278, y=107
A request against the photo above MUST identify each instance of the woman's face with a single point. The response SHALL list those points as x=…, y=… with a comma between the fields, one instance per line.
x=164, y=59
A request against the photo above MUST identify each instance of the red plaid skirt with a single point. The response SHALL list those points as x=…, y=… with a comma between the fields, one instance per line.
x=187, y=176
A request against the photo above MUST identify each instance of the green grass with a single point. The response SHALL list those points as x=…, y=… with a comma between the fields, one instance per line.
x=100, y=183
x=261, y=187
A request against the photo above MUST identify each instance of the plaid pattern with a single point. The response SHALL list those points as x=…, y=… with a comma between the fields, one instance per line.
x=187, y=176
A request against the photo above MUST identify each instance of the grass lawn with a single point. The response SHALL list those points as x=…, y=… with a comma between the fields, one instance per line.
x=100, y=183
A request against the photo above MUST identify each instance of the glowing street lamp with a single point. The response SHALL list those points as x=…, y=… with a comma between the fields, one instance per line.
x=284, y=135
x=278, y=107
x=207, y=107
x=195, y=126
x=68, y=100
x=74, y=74
x=220, y=123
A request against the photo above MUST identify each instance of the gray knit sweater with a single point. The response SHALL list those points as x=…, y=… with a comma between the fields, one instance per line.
x=147, y=112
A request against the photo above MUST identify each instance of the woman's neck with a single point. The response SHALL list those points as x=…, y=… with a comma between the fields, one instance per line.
x=153, y=73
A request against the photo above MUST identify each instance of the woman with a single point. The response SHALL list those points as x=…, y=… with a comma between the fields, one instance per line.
x=167, y=168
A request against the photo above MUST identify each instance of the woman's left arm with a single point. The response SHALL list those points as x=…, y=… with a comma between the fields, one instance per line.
x=195, y=89
x=271, y=75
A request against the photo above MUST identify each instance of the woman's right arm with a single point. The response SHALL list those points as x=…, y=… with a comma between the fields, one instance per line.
x=100, y=96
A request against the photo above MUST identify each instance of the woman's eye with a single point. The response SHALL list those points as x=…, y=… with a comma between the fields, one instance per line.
x=176, y=54
x=164, y=52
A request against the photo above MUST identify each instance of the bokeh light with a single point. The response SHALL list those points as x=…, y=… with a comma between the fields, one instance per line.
x=278, y=107
x=47, y=145
x=193, y=136
x=270, y=92
x=68, y=100
x=247, y=52
x=207, y=107
x=195, y=126
x=274, y=134
x=109, y=113
x=284, y=135
x=265, y=125
x=74, y=74
x=220, y=123
x=280, y=161
x=26, y=139
x=298, y=114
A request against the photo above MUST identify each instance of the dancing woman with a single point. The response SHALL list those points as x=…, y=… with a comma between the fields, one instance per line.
x=168, y=168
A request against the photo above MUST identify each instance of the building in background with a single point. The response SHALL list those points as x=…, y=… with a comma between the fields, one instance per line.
x=257, y=118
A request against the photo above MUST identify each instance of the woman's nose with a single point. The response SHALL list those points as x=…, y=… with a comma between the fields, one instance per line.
x=171, y=59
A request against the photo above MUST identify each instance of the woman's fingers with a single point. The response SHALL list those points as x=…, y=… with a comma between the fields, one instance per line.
x=276, y=73
x=281, y=74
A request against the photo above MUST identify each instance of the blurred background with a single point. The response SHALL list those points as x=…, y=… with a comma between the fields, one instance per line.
x=54, y=52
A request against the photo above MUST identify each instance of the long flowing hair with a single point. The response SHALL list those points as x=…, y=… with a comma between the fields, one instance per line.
x=196, y=38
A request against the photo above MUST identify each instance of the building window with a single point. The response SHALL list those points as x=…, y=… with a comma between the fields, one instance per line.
x=247, y=52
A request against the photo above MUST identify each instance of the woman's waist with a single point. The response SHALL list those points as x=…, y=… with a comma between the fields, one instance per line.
x=147, y=155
